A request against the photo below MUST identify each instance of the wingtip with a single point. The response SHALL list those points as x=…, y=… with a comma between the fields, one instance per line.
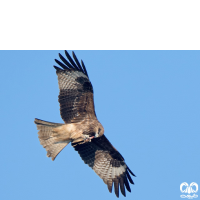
x=57, y=68
x=131, y=171
x=127, y=184
x=66, y=53
x=84, y=68
x=73, y=54
x=70, y=63
x=59, y=55
x=129, y=178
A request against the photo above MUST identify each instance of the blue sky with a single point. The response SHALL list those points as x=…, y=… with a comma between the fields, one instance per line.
x=147, y=101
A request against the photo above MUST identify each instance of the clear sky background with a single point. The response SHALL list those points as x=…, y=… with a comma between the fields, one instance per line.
x=147, y=101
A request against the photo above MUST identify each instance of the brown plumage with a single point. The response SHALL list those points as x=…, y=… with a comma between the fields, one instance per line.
x=82, y=127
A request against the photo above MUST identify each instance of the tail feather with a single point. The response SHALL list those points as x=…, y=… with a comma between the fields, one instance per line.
x=47, y=140
x=53, y=151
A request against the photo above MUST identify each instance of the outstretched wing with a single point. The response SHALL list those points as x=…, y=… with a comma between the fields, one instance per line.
x=107, y=162
x=76, y=91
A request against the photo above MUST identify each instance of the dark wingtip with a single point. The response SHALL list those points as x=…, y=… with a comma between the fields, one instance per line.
x=82, y=63
x=61, y=64
x=71, y=64
x=57, y=68
x=66, y=53
x=131, y=171
x=127, y=184
x=77, y=62
x=129, y=177
x=66, y=62
x=121, y=181
x=124, y=194
x=71, y=61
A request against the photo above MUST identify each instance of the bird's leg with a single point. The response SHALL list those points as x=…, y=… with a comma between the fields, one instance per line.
x=87, y=138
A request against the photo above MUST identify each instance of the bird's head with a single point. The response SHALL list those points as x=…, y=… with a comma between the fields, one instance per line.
x=99, y=131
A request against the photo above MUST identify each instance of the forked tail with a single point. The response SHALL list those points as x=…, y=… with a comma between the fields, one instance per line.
x=47, y=139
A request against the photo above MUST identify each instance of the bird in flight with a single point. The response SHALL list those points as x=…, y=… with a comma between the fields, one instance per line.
x=82, y=127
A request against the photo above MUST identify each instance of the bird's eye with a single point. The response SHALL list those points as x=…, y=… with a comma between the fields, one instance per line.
x=99, y=131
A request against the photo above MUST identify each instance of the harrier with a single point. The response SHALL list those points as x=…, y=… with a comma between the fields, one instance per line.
x=82, y=127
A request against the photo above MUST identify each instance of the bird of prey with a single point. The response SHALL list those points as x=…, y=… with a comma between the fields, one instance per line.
x=82, y=127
